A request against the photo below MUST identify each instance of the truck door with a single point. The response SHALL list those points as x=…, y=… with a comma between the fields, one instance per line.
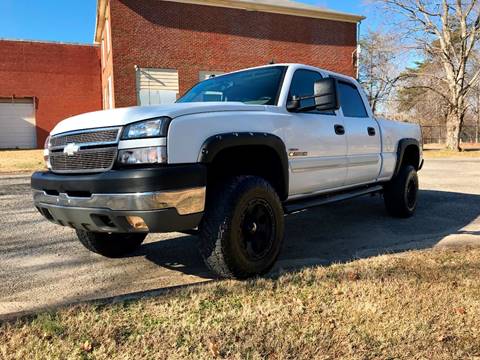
x=316, y=142
x=363, y=136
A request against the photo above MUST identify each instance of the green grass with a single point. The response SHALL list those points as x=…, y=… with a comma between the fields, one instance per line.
x=415, y=305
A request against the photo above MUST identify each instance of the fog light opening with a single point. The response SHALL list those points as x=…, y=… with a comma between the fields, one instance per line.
x=137, y=223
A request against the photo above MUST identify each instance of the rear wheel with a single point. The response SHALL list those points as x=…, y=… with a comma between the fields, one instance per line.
x=110, y=245
x=400, y=194
x=243, y=228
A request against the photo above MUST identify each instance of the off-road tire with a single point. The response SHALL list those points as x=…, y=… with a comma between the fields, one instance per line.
x=232, y=244
x=110, y=245
x=400, y=194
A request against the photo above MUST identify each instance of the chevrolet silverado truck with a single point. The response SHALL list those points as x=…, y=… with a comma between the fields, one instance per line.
x=227, y=161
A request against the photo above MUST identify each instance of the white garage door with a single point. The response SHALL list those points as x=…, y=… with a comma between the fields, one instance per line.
x=157, y=86
x=17, y=125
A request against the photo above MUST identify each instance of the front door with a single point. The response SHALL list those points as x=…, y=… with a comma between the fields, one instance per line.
x=316, y=142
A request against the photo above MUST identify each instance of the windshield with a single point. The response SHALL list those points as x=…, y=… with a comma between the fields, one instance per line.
x=257, y=86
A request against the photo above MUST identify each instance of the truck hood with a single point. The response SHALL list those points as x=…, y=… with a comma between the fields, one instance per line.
x=125, y=116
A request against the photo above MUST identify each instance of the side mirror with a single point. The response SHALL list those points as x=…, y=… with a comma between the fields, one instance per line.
x=326, y=94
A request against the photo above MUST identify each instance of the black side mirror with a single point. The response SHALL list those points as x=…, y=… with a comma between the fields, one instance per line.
x=325, y=98
x=326, y=94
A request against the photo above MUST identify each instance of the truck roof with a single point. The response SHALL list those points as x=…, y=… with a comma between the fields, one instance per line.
x=295, y=66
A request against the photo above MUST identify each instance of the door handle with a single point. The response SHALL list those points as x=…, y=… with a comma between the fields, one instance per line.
x=339, y=130
x=371, y=131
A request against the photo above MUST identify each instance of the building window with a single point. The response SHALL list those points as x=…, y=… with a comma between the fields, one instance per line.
x=157, y=86
x=105, y=97
x=104, y=56
x=109, y=40
x=204, y=75
x=110, y=92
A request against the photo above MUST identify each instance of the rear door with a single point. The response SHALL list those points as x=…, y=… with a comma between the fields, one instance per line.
x=315, y=142
x=363, y=135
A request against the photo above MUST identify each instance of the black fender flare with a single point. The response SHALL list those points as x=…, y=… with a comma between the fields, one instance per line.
x=402, y=146
x=217, y=143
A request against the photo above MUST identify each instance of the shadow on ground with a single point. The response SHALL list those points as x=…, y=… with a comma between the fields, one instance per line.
x=44, y=266
x=343, y=232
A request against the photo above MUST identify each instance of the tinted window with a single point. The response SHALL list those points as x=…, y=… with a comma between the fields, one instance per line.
x=303, y=84
x=258, y=86
x=351, y=101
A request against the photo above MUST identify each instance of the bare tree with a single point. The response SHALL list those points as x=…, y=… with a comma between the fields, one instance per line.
x=476, y=113
x=378, y=70
x=416, y=82
x=455, y=26
x=415, y=101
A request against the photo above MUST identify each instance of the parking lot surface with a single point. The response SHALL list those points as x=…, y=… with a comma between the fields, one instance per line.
x=43, y=265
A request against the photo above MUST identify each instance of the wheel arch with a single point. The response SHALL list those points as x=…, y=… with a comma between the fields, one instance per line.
x=262, y=153
x=408, y=152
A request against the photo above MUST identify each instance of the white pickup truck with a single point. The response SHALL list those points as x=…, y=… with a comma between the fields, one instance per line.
x=227, y=161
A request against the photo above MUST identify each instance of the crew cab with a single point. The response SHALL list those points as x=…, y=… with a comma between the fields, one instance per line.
x=227, y=161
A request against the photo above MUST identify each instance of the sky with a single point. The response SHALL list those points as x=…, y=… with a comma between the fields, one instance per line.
x=73, y=21
x=48, y=20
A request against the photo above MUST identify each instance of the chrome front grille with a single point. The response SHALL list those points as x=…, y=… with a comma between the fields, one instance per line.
x=91, y=160
x=94, y=151
x=92, y=137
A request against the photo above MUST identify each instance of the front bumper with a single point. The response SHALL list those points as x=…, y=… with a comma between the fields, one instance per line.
x=166, y=199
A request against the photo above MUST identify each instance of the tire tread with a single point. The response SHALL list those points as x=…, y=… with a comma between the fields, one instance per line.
x=216, y=224
x=394, y=193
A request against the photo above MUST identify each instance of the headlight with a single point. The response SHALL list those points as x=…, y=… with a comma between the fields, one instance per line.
x=147, y=129
x=149, y=155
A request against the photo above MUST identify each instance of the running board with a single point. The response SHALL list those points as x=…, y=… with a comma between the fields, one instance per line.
x=307, y=203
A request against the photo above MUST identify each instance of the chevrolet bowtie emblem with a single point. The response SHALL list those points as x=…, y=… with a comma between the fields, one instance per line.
x=71, y=149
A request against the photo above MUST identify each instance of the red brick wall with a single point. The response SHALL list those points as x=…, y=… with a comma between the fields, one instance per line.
x=64, y=79
x=194, y=38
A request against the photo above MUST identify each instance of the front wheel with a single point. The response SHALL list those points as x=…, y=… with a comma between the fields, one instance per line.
x=243, y=228
x=401, y=193
x=110, y=245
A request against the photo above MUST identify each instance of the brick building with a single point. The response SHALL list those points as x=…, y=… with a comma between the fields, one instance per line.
x=41, y=84
x=153, y=50
x=150, y=52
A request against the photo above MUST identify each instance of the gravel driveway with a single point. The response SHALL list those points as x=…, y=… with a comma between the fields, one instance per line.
x=43, y=265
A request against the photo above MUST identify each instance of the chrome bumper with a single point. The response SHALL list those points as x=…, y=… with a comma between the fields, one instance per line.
x=186, y=202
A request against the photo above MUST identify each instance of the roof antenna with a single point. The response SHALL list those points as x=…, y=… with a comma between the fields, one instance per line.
x=272, y=62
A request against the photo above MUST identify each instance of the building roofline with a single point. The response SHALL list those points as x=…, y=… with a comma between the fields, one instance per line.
x=50, y=42
x=249, y=5
x=285, y=9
